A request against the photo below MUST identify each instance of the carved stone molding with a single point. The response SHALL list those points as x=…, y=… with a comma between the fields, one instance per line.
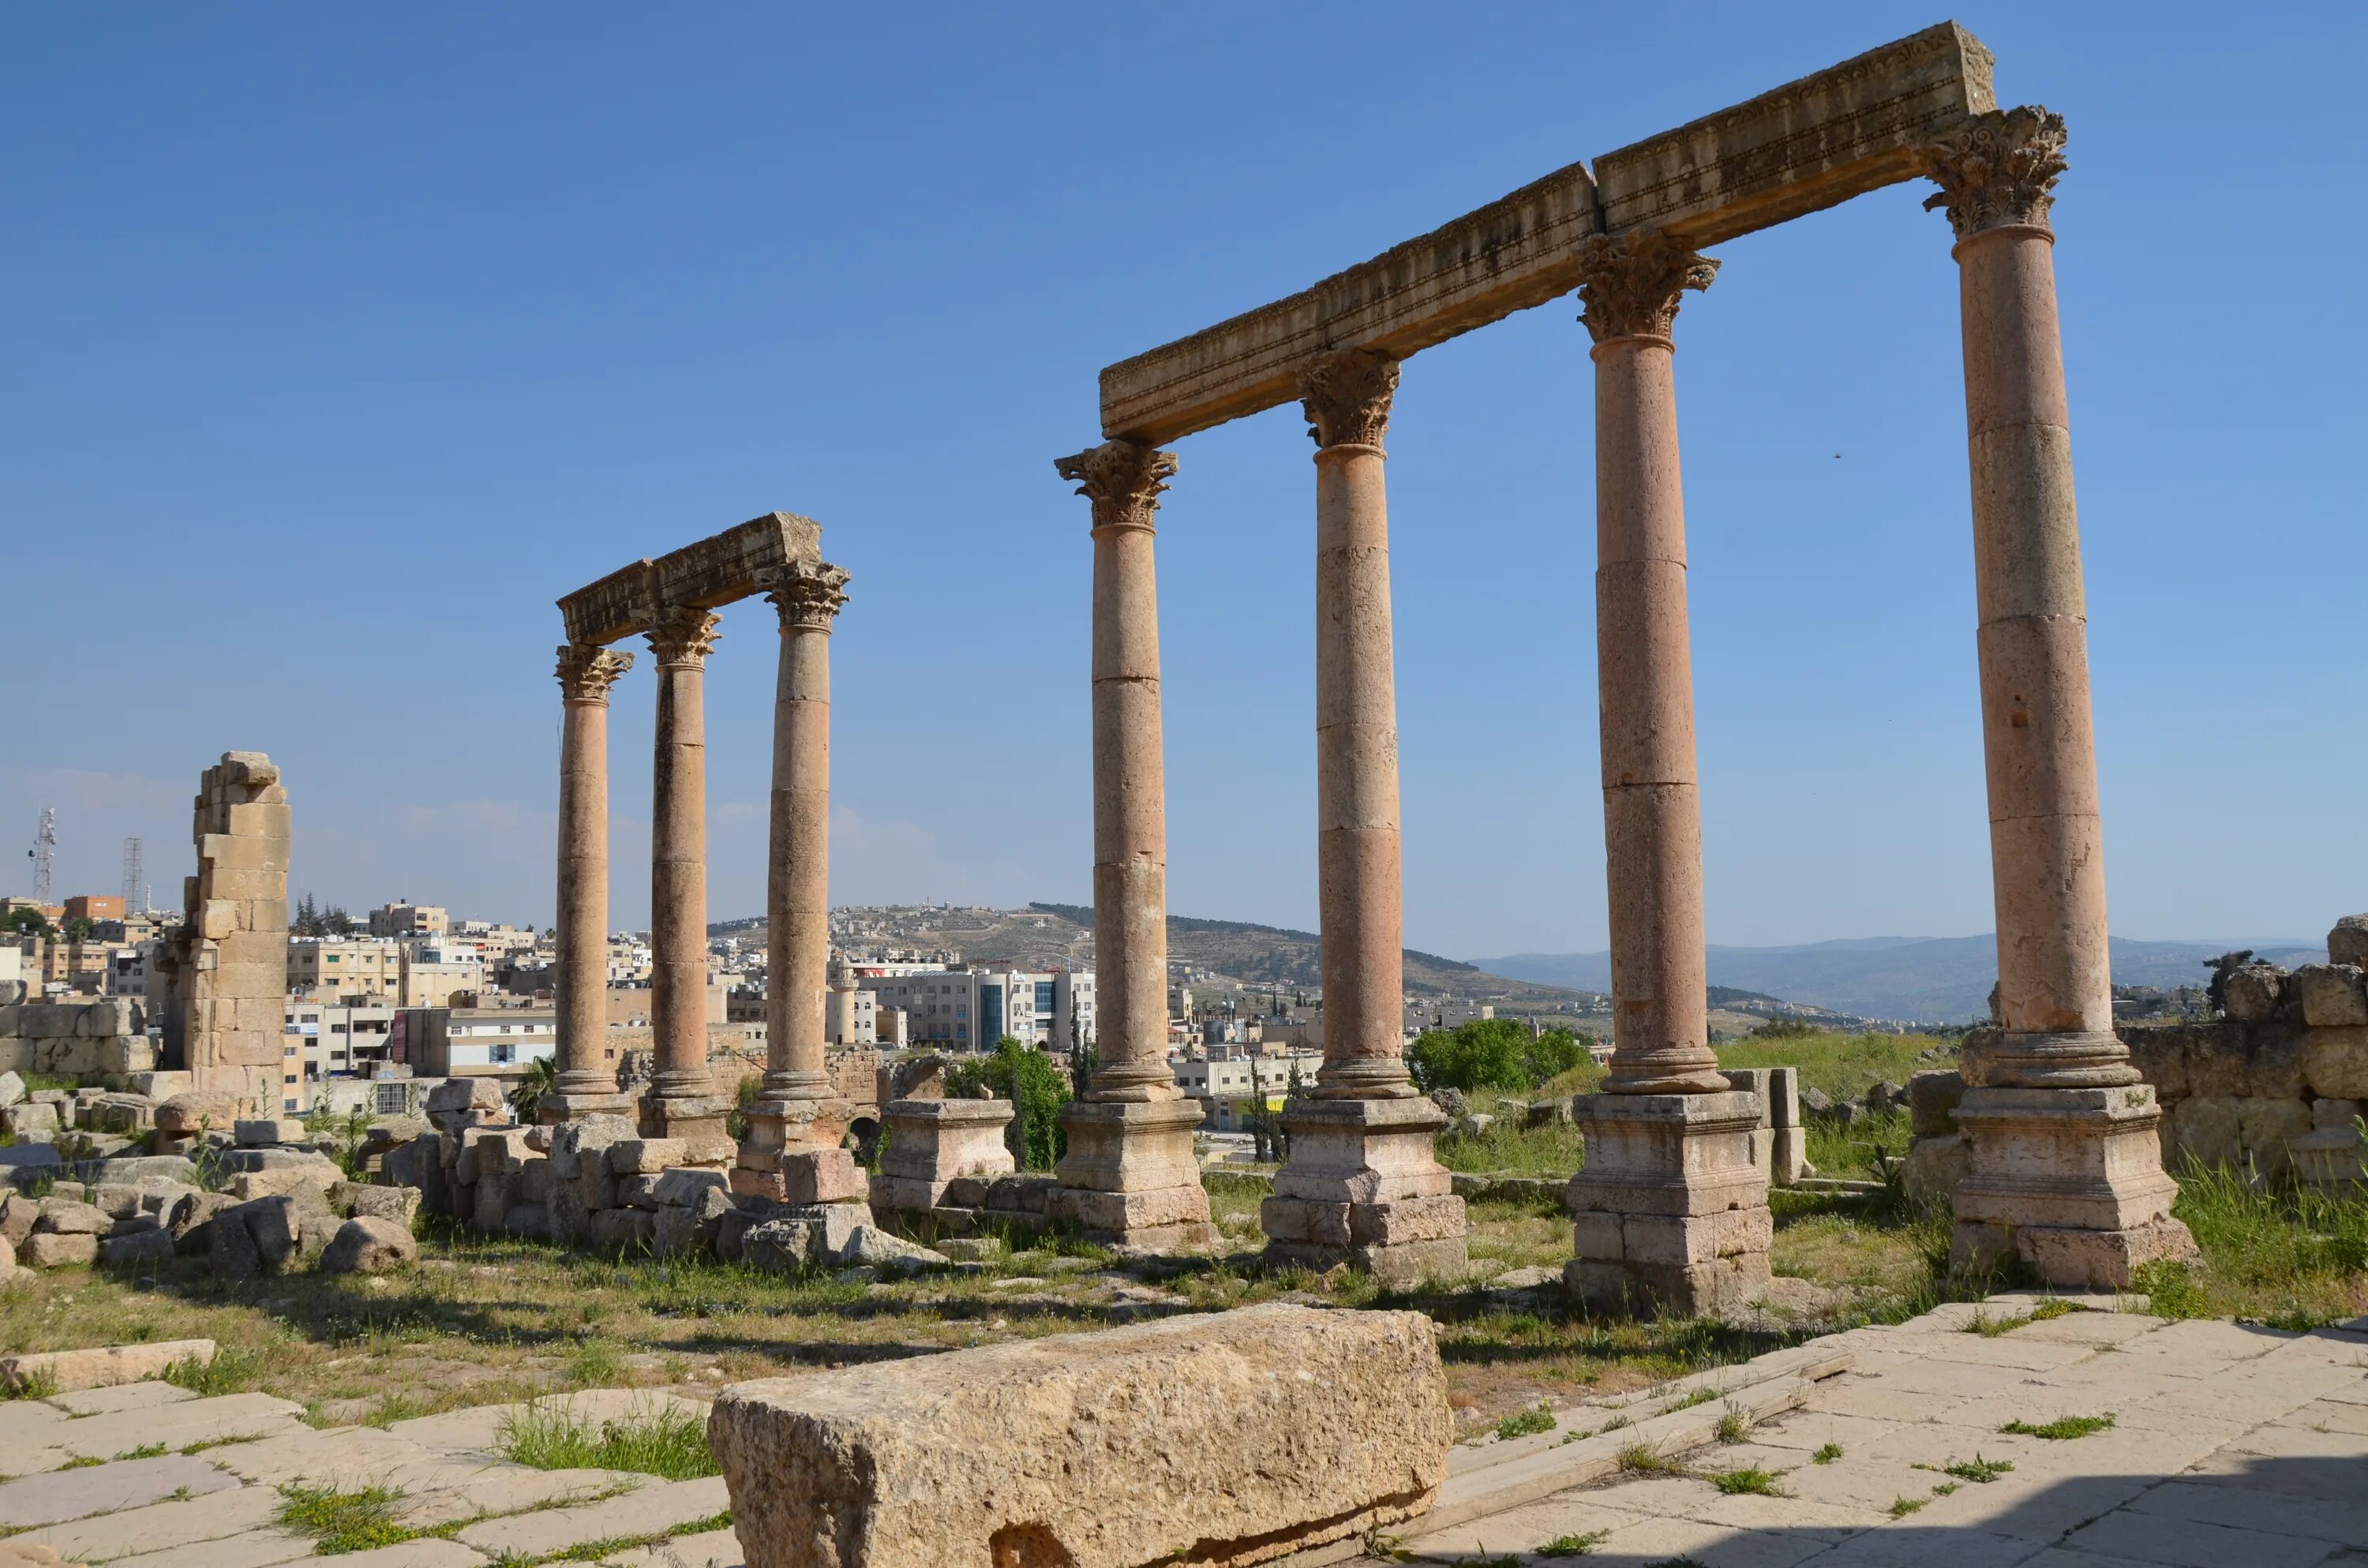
x=1346, y=394
x=1122, y=479
x=682, y=635
x=1998, y=172
x=1631, y=286
x=808, y=596
x=587, y=671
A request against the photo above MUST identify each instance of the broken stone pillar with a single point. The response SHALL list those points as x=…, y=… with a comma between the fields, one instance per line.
x=228, y=987
x=1361, y=1184
x=2064, y=1166
x=586, y=1081
x=796, y=1117
x=1671, y=1212
x=1129, y=1177
x=1228, y=1438
x=938, y=1147
x=682, y=1101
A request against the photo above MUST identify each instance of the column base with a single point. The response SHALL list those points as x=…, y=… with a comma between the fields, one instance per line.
x=1363, y=1187
x=563, y=1107
x=933, y=1144
x=697, y=1120
x=1670, y=1213
x=1130, y=1177
x=2067, y=1181
x=778, y=1126
x=804, y=1176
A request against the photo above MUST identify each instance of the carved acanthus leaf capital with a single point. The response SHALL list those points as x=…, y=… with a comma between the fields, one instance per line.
x=1631, y=286
x=1998, y=171
x=1346, y=394
x=808, y=595
x=1122, y=479
x=682, y=635
x=587, y=671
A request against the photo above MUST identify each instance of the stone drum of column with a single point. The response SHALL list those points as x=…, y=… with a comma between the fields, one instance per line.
x=586, y=1081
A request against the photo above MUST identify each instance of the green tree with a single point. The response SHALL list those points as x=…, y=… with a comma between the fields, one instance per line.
x=78, y=927
x=25, y=921
x=1019, y=1073
x=1492, y=1053
x=336, y=922
x=542, y=1076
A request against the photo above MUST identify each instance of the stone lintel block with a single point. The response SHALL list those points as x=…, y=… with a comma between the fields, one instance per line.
x=1130, y=1146
x=716, y=570
x=1363, y=1151
x=1232, y=1437
x=1123, y=1214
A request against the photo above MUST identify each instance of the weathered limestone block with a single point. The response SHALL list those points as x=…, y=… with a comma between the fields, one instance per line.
x=587, y=1141
x=2335, y=1063
x=819, y=1232
x=359, y=1200
x=933, y=1143
x=1237, y=1437
x=1670, y=1213
x=2332, y=995
x=64, y=1216
x=2068, y=1181
x=1932, y=1101
x=2348, y=942
x=149, y=1246
x=263, y=1132
x=369, y=1244
x=17, y=1215
x=190, y=1221
x=632, y=1229
x=1363, y=1186
x=1933, y=1168
x=2254, y=991
x=12, y=1090
x=107, y=1366
x=646, y=1156
x=200, y=1111
x=48, y=1249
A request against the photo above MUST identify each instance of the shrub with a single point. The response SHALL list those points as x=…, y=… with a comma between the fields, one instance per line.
x=1492, y=1053
x=1024, y=1075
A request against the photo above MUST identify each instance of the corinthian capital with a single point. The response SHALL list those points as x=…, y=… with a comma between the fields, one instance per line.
x=1998, y=171
x=1122, y=479
x=808, y=596
x=682, y=635
x=1346, y=393
x=587, y=671
x=1631, y=286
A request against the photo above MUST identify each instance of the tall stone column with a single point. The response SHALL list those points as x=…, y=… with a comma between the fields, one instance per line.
x=790, y=1151
x=1361, y=1181
x=587, y=1081
x=1129, y=1175
x=1671, y=1210
x=683, y=1102
x=2062, y=1164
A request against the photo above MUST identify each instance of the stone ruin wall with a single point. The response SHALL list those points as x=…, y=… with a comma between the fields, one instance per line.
x=2274, y=1087
x=105, y=1038
x=226, y=971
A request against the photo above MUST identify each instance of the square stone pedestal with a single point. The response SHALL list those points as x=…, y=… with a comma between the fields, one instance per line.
x=1363, y=1187
x=1670, y=1213
x=1130, y=1177
x=562, y=1107
x=697, y=1120
x=933, y=1144
x=779, y=1129
x=2070, y=1181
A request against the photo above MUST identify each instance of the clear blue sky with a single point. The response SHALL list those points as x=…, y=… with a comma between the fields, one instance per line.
x=342, y=341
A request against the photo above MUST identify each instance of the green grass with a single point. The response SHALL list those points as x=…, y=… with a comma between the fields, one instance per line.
x=2062, y=1429
x=1733, y=1426
x=1751, y=1481
x=665, y=1441
x=1523, y=1422
x=34, y=1385
x=1642, y=1459
x=1842, y=1065
x=2290, y=1257
x=1574, y=1545
x=1977, y=1469
x=1903, y=1507
x=232, y=1370
x=1697, y=1396
x=341, y=1520
x=598, y=1550
x=1827, y=1455
x=145, y=1451
x=86, y=1462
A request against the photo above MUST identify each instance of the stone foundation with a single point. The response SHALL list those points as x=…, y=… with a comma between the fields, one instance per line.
x=1671, y=1212
x=1130, y=1177
x=2069, y=1181
x=1363, y=1188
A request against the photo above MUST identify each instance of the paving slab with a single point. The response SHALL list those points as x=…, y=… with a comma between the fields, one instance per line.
x=29, y=1421
x=513, y=1489
x=2193, y=1543
x=256, y=1549
x=123, y=1396
x=478, y=1429
x=129, y=1532
x=178, y=1425
x=74, y=1494
x=2343, y=1522
x=645, y=1513
x=709, y=1549
x=1907, y=1544
x=414, y=1554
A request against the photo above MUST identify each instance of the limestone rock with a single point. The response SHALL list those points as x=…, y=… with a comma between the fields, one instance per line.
x=151, y=1247
x=2254, y=990
x=646, y=1156
x=12, y=1090
x=190, y=1220
x=1235, y=1438
x=48, y=1249
x=1817, y=1100
x=197, y=1110
x=1885, y=1096
x=2332, y=995
x=2348, y=943
x=587, y=1141
x=1932, y=1101
x=369, y=1244
x=106, y=1367
x=400, y=1204
x=869, y=1246
x=265, y=1132
x=17, y=1213
x=819, y=1232
x=72, y=1217
x=2335, y=1063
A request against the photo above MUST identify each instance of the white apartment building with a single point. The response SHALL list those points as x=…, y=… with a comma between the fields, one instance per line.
x=338, y=1041
x=433, y=970
x=334, y=967
x=1229, y=1088
x=409, y=920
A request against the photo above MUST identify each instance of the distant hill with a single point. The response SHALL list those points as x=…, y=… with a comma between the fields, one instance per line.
x=1276, y=955
x=1930, y=979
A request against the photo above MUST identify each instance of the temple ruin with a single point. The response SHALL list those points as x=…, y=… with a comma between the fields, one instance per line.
x=2062, y=1166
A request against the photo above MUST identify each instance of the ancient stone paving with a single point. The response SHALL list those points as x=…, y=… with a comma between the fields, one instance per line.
x=2230, y=1447
x=212, y=1499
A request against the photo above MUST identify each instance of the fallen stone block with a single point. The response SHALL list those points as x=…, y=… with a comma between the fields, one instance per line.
x=72, y=1217
x=369, y=1244
x=1232, y=1439
x=137, y=1248
x=199, y=1110
x=12, y=1089
x=400, y=1204
x=264, y=1132
x=49, y=1250
x=645, y=1156
x=63, y=1371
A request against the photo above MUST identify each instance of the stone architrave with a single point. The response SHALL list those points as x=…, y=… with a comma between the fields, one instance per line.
x=682, y=1101
x=2064, y=1166
x=796, y=1114
x=1671, y=1210
x=1362, y=1182
x=1129, y=1176
x=226, y=973
x=586, y=1081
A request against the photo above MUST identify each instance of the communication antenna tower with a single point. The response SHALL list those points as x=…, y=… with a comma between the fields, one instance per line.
x=131, y=888
x=44, y=851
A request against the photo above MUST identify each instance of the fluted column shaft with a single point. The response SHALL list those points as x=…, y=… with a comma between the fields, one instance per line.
x=2046, y=849
x=1652, y=811
x=1346, y=396
x=1123, y=478
x=581, y=979
x=797, y=901
x=679, y=857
